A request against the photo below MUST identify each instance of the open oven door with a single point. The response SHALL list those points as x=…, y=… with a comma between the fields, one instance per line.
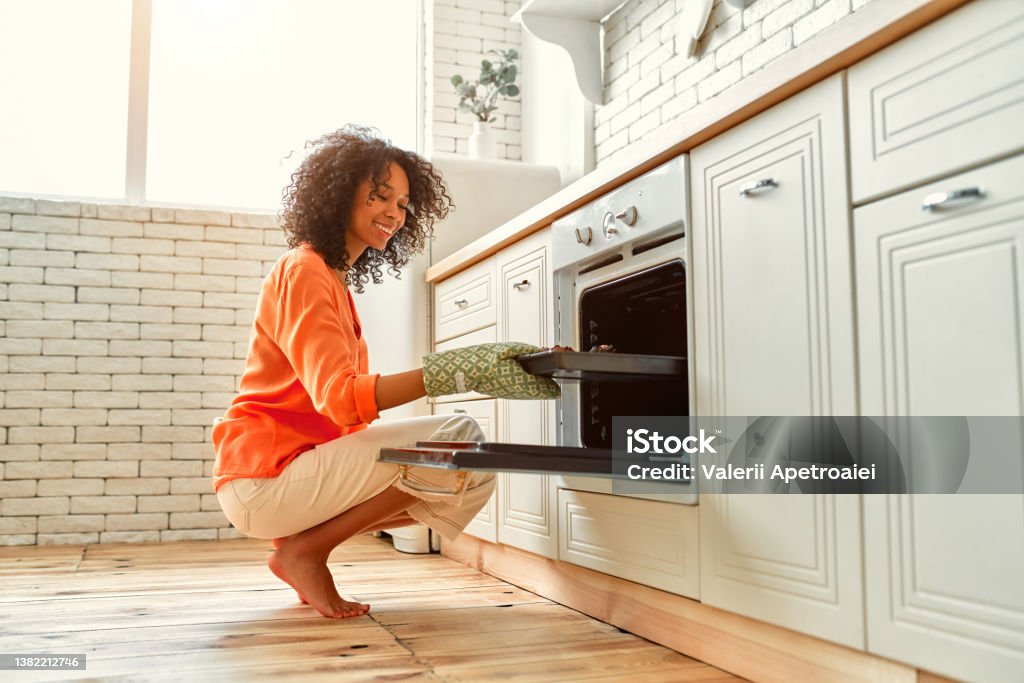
x=567, y=461
x=503, y=457
x=637, y=366
x=607, y=368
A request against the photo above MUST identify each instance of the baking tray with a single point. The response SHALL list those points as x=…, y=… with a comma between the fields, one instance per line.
x=603, y=367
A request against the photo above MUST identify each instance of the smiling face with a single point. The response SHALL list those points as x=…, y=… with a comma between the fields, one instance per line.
x=377, y=212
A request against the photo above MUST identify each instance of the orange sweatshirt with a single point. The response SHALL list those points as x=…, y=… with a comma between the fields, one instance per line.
x=306, y=379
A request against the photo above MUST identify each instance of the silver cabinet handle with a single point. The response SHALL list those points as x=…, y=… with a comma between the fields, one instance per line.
x=521, y=285
x=461, y=302
x=942, y=200
x=584, y=240
x=628, y=215
x=764, y=184
x=460, y=411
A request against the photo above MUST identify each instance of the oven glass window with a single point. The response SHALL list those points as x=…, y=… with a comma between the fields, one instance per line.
x=642, y=313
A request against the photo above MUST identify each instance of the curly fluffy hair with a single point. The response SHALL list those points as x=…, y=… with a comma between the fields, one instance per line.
x=318, y=202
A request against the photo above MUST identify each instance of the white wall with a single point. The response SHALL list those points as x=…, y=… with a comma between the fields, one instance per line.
x=649, y=84
x=123, y=333
x=396, y=325
x=558, y=122
x=458, y=35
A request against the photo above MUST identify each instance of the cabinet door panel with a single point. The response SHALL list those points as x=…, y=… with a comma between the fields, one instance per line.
x=646, y=541
x=944, y=583
x=941, y=318
x=485, y=524
x=941, y=299
x=774, y=336
x=527, y=502
x=772, y=290
x=756, y=324
x=938, y=101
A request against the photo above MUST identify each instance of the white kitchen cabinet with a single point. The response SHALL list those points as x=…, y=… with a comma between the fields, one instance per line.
x=941, y=318
x=514, y=290
x=485, y=412
x=941, y=298
x=465, y=302
x=935, y=582
x=527, y=503
x=646, y=541
x=485, y=524
x=774, y=336
x=941, y=100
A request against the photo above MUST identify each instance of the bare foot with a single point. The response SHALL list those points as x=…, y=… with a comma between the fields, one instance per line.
x=312, y=580
x=278, y=543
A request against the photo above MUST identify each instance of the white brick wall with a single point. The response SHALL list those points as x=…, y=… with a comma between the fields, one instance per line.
x=123, y=331
x=458, y=35
x=649, y=84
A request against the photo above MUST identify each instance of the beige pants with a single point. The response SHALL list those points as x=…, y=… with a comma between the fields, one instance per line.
x=335, y=476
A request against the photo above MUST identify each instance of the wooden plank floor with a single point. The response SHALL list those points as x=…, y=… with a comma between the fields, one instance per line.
x=212, y=611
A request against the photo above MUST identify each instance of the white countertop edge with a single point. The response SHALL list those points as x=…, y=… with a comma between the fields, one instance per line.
x=856, y=36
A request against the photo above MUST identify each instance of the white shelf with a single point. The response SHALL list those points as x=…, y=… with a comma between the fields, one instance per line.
x=575, y=26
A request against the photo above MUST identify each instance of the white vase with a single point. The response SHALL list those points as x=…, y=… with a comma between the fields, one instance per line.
x=482, y=143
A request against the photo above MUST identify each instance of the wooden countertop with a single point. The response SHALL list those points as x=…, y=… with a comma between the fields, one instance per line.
x=856, y=36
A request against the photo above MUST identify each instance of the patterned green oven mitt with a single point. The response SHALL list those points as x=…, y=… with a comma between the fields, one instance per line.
x=488, y=369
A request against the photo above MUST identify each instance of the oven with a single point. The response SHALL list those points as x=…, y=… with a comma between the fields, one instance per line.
x=621, y=281
x=623, y=306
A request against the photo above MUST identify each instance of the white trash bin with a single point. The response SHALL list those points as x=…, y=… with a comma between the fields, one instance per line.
x=411, y=539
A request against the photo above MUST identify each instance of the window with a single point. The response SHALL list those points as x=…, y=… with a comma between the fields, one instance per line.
x=236, y=88
x=64, y=106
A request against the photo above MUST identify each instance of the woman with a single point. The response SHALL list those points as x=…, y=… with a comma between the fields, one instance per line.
x=296, y=457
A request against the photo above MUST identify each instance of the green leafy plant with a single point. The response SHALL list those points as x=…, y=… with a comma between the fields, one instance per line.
x=496, y=79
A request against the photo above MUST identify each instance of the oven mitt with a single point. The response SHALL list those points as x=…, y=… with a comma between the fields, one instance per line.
x=488, y=369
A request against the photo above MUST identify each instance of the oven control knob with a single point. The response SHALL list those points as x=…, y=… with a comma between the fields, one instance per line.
x=610, y=230
x=584, y=236
x=628, y=216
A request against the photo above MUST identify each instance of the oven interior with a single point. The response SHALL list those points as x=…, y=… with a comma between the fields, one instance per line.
x=641, y=313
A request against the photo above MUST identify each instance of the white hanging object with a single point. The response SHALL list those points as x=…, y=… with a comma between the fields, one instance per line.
x=693, y=20
x=575, y=26
x=482, y=142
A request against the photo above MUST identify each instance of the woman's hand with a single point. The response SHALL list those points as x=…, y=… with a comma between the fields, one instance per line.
x=488, y=369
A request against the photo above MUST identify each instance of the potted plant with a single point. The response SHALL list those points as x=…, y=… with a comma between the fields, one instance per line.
x=497, y=79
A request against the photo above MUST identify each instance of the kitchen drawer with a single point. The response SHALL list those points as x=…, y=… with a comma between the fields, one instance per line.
x=488, y=335
x=945, y=98
x=646, y=541
x=466, y=301
x=484, y=412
